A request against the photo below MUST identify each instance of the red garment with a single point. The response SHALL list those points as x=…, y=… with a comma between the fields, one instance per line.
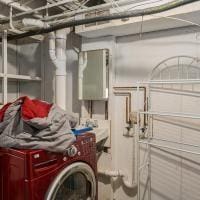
x=30, y=108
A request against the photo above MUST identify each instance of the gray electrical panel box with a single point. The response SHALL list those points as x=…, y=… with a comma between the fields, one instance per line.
x=93, y=75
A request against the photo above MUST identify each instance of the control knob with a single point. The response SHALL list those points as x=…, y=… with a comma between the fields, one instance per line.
x=72, y=151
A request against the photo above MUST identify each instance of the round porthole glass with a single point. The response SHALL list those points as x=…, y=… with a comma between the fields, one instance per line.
x=75, y=182
x=75, y=187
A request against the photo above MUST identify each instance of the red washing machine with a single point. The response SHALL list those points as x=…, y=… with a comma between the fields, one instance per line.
x=42, y=175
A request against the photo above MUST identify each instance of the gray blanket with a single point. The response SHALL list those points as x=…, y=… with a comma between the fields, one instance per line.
x=52, y=133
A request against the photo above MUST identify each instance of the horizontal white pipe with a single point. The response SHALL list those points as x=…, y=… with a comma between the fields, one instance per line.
x=168, y=147
x=111, y=173
x=118, y=173
x=129, y=184
x=183, y=115
x=27, y=22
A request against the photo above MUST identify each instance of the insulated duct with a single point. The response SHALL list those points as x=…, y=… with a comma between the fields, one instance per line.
x=29, y=22
x=134, y=13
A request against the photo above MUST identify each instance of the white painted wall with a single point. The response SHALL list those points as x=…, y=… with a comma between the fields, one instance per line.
x=134, y=59
x=24, y=58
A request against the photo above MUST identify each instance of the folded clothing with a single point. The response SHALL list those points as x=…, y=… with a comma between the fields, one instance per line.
x=35, y=124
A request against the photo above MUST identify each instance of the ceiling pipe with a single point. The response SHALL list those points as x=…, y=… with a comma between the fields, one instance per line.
x=57, y=53
x=16, y=6
x=134, y=13
x=32, y=23
x=90, y=9
x=32, y=11
x=22, y=25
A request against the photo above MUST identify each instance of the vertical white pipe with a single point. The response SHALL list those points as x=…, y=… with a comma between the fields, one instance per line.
x=4, y=64
x=137, y=141
x=149, y=148
x=61, y=71
x=82, y=66
x=57, y=53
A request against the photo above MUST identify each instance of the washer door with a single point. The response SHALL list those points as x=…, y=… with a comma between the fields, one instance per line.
x=75, y=182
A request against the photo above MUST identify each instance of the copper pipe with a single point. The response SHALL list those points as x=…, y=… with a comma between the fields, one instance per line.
x=145, y=98
x=127, y=109
x=106, y=110
x=128, y=103
x=90, y=108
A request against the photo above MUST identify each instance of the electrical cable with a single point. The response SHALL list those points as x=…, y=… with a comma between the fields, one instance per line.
x=115, y=16
x=138, y=5
x=144, y=4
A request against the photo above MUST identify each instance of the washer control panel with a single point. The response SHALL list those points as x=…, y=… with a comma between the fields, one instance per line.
x=72, y=151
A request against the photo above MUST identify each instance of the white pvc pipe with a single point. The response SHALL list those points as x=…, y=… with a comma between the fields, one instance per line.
x=111, y=173
x=118, y=173
x=82, y=66
x=57, y=53
x=61, y=73
x=129, y=184
x=52, y=47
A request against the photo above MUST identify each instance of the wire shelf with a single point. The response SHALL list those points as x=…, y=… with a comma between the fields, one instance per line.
x=172, y=114
x=172, y=145
x=180, y=147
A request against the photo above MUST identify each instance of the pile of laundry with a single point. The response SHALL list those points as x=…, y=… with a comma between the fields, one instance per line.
x=35, y=124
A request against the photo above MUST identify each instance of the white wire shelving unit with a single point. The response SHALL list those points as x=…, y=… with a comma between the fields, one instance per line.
x=164, y=143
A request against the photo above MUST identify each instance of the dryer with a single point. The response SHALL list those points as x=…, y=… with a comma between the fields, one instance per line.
x=42, y=175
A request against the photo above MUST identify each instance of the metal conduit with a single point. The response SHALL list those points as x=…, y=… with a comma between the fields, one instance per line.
x=135, y=13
